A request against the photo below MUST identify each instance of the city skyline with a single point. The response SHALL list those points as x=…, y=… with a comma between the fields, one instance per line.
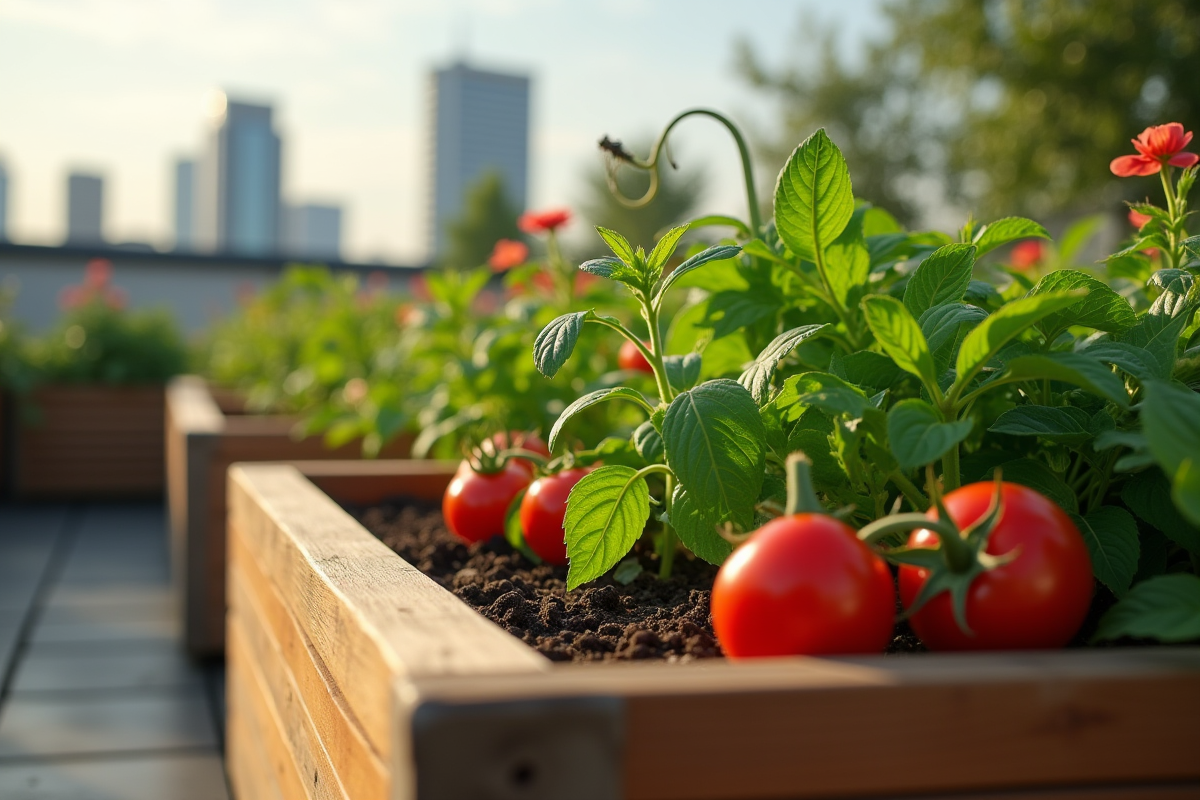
x=347, y=81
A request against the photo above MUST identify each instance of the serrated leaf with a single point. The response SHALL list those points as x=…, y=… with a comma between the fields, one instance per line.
x=848, y=266
x=1008, y=229
x=901, y=338
x=941, y=278
x=918, y=436
x=1136, y=361
x=716, y=446
x=729, y=312
x=697, y=532
x=983, y=343
x=945, y=325
x=757, y=377
x=1148, y=494
x=1058, y=424
x=1176, y=287
x=820, y=390
x=1166, y=608
x=1036, y=475
x=1079, y=369
x=1158, y=335
x=556, y=342
x=813, y=197
x=682, y=371
x=618, y=244
x=721, y=252
x=665, y=247
x=591, y=399
x=1102, y=309
x=606, y=513
x=1111, y=535
x=868, y=370
x=648, y=442
x=1171, y=422
x=605, y=267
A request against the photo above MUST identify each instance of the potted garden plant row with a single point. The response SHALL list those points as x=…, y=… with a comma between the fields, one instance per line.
x=824, y=371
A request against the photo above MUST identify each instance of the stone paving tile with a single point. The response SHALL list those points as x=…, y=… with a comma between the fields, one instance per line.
x=170, y=777
x=85, y=622
x=40, y=726
x=92, y=669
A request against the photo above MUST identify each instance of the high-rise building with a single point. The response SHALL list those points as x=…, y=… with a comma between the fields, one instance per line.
x=3, y=202
x=185, y=205
x=480, y=123
x=85, y=209
x=237, y=200
x=313, y=231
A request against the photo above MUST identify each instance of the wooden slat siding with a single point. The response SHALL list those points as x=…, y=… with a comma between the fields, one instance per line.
x=801, y=728
x=248, y=697
x=245, y=757
x=359, y=768
x=91, y=441
x=371, y=617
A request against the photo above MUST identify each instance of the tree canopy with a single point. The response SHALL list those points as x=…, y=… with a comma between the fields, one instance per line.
x=487, y=216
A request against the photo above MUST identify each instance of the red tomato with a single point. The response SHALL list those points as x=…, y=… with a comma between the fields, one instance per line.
x=631, y=358
x=542, y=512
x=524, y=441
x=803, y=585
x=475, y=502
x=1038, y=600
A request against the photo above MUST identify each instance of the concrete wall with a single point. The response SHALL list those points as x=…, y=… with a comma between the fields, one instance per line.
x=195, y=289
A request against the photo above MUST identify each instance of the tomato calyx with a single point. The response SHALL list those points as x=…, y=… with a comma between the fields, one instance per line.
x=489, y=457
x=954, y=566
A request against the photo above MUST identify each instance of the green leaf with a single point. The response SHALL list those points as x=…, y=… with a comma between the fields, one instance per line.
x=697, y=532
x=556, y=342
x=716, y=446
x=918, y=437
x=1058, y=424
x=1166, y=608
x=982, y=344
x=618, y=244
x=591, y=399
x=1158, y=335
x=606, y=513
x=1185, y=489
x=1148, y=494
x=757, y=377
x=941, y=278
x=682, y=371
x=711, y=220
x=729, y=312
x=848, y=266
x=901, y=338
x=1171, y=421
x=721, y=252
x=1102, y=309
x=1176, y=286
x=1036, y=475
x=1077, y=235
x=1137, y=361
x=665, y=247
x=605, y=267
x=868, y=370
x=1008, y=229
x=648, y=442
x=1079, y=369
x=944, y=326
x=820, y=390
x=813, y=197
x=1111, y=535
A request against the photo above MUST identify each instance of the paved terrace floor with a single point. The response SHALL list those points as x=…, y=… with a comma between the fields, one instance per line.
x=97, y=700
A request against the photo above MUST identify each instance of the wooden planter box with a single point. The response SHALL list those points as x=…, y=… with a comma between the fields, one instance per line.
x=206, y=431
x=352, y=675
x=88, y=441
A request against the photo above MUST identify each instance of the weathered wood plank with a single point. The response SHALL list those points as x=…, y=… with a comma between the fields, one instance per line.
x=371, y=617
x=359, y=769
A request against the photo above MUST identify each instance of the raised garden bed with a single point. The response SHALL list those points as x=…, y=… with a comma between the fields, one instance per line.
x=352, y=675
x=207, y=430
x=87, y=441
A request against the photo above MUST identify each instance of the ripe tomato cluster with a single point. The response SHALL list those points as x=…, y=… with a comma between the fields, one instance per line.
x=806, y=584
x=477, y=501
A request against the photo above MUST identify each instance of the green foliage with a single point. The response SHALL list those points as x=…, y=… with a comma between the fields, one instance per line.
x=488, y=215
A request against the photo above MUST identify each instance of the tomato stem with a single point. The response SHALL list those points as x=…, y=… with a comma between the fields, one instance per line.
x=667, y=560
x=801, y=497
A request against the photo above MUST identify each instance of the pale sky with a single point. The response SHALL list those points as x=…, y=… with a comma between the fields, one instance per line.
x=119, y=87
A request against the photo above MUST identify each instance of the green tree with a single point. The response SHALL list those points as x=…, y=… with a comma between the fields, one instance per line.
x=487, y=216
x=1018, y=104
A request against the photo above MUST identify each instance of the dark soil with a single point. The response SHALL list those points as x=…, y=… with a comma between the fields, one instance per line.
x=646, y=619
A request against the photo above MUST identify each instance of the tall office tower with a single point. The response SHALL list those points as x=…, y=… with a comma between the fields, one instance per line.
x=237, y=200
x=85, y=209
x=313, y=231
x=185, y=205
x=480, y=123
x=3, y=202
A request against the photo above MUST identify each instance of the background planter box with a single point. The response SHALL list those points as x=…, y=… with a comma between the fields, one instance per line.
x=88, y=441
x=206, y=432
x=352, y=675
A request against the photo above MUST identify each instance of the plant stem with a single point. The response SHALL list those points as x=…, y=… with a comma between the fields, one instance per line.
x=1173, y=210
x=915, y=496
x=801, y=497
x=656, y=352
x=668, y=534
x=951, y=479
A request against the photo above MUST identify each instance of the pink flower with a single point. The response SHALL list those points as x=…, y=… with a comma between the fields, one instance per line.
x=507, y=254
x=1137, y=219
x=1027, y=254
x=1157, y=145
x=535, y=222
x=73, y=297
x=97, y=273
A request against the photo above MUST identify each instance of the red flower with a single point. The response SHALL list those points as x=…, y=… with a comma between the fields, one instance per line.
x=97, y=273
x=1027, y=254
x=1137, y=219
x=507, y=254
x=1157, y=145
x=418, y=287
x=535, y=222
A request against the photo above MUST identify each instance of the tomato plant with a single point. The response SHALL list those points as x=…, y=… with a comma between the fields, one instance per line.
x=475, y=502
x=541, y=514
